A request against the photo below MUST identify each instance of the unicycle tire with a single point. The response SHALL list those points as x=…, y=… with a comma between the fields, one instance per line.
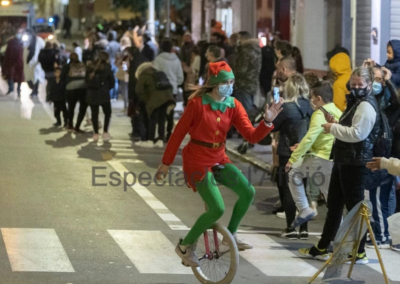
x=222, y=266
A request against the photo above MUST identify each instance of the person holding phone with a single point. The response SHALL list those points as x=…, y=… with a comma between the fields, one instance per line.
x=311, y=158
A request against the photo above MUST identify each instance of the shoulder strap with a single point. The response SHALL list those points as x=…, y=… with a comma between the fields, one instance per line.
x=299, y=108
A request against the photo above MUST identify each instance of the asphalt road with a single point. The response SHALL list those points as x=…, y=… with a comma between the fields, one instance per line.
x=61, y=224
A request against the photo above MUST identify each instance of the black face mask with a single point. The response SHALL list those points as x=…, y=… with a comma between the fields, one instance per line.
x=359, y=92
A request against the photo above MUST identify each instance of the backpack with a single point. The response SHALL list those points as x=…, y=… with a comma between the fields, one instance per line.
x=299, y=130
x=383, y=144
x=162, y=82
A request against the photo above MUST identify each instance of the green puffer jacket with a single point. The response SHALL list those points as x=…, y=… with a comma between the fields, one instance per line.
x=147, y=91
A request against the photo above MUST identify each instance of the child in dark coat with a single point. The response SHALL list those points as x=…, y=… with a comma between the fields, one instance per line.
x=393, y=61
x=56, y=94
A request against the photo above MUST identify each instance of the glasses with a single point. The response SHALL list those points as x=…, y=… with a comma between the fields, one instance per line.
x=378, y=79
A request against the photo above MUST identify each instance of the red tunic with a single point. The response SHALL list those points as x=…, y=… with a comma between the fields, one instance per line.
x=204, y=124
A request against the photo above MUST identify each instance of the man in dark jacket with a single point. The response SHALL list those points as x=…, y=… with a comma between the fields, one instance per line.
x=48, y=58
x=135, y=60
x=247, y=70
x=149, y=49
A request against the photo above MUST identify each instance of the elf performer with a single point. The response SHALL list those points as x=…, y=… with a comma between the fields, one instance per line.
x=210, y=113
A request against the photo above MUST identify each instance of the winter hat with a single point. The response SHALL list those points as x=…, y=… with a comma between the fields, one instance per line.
x=219, y=72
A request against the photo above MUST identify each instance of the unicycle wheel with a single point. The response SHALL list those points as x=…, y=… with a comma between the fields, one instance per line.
x=219, y=263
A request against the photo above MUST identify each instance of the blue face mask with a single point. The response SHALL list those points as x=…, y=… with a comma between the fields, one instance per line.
x=225, y=90
x=376, y=88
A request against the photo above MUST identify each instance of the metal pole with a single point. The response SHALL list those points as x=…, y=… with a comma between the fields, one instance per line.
x=150, y=22
x=168, y=26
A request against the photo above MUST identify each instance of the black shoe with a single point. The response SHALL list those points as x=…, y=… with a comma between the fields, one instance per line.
x=316, y=253
x=290, y=234
x=303, y=235
x=78, y=131
x=280, y=209
x=57, y=124
x=65, y=125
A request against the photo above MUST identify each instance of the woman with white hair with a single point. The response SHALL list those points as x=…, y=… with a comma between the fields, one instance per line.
x=292, y=124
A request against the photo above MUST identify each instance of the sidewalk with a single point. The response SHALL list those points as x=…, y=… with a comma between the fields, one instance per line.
x=259, y=156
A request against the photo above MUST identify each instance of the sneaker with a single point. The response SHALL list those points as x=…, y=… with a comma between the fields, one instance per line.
x=145, y=144
x=70, y=129
x=314, y=206
x=57, y=124
x=65, y=125
x=241, y=244
x=281, y=215
x=315, y=253
x=396, y=247
x=379, y=244
x=159, y=144
x=277, y=204
x=280, y=209
x=289, y=234
x=187, y=254
x=303, y=235
x=79, y=131
x=95, y=137
x=106, y=136
x=361, y=258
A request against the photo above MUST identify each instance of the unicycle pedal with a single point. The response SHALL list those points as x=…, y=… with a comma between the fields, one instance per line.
x=184, y=264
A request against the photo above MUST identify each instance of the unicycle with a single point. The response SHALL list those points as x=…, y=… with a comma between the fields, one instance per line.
x=218, y=253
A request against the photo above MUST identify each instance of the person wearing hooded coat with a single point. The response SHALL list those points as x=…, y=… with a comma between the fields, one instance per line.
x=155, y=101
x=393, y=61
x=340, y=65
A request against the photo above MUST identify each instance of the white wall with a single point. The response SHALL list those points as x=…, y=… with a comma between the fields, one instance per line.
x=244, y=16
x=309, y=32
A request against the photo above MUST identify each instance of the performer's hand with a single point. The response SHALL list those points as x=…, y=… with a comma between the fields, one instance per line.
x=375, y=164
x=271, y=112
x=387, y=74
x=327, y=127
x=288, y=167
x=162, y=171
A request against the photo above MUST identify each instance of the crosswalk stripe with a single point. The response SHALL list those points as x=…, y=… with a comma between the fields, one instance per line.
x=274, y=259
x=391, y=260
x=35, y=250
x=150, y=251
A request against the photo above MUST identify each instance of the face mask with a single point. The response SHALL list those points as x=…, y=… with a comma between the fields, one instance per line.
x=225, y=90
x=376, y=88
x=360, y=92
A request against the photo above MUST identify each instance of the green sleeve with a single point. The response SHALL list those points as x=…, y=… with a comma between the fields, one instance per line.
x=317, y=119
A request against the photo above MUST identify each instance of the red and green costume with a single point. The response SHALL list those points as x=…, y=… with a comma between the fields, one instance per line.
x=209, y=121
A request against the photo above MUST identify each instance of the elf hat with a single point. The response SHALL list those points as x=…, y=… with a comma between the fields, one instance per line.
x=219, y=72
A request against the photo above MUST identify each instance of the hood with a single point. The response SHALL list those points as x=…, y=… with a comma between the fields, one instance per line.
x=145, y=68
x=340, y=64
x=250, y=43
x=395, y=43
x=170, y=56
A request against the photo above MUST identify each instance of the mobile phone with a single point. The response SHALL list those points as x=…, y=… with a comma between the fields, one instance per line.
x=276, y=94
x=324, y=110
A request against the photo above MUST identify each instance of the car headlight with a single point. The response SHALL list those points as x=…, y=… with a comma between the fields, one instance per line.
x=25, y=37
x=50, y=37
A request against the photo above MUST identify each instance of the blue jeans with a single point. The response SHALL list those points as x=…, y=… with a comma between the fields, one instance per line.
x=114, y=91
x=381, y=184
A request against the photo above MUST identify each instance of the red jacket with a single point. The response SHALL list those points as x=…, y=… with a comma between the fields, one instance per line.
x=204, y=124
x=13, y=65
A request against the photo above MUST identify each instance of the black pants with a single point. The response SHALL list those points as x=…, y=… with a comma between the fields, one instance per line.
x=58, y=108
x=170, y=123
x=286, y=196
x=34, y=88
x=346, y=188
x=142, y=122
x=158, y=117
x=95, y=116
x=74, y=96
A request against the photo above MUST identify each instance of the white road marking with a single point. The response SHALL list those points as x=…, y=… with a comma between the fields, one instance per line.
x=150, y=251
x=391, y=261
x=161, y=210
x=268, y=256
x=35, y=250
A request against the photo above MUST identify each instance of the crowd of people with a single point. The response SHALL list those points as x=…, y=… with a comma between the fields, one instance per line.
x=340, y=129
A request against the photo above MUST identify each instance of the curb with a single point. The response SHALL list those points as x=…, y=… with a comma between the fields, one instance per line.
x=262, y=166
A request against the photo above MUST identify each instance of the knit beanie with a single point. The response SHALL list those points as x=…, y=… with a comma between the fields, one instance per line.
x=219, y=72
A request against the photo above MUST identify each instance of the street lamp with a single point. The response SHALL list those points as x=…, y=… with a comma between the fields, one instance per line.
x=5, y=3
